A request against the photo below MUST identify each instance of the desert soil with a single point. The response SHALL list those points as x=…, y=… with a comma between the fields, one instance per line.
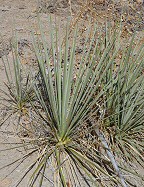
x=14, y=14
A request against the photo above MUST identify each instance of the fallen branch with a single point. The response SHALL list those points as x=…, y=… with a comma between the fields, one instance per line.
x=111, y=157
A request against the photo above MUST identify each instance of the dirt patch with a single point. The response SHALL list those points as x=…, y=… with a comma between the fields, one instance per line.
x=5, y=182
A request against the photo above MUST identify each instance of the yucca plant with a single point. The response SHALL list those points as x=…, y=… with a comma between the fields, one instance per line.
x=18, y=92
x=124, y=118
x=69, y=108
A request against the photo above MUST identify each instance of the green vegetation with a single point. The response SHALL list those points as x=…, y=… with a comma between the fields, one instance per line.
x=19, y=87
x=90, y=110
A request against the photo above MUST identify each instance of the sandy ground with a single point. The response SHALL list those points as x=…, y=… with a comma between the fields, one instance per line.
x=13, y=14
x=17, y=15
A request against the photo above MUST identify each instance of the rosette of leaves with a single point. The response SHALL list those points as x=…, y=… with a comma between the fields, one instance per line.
x=18, y=91
x=124, y=119
x=69, y=98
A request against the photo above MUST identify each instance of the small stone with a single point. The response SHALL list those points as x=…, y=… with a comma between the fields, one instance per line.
x=19, y=28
